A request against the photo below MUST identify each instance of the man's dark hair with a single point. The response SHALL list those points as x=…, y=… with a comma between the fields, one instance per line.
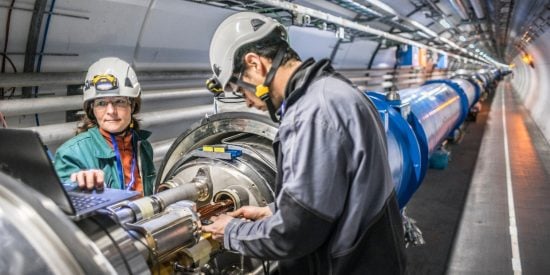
x=267, y=47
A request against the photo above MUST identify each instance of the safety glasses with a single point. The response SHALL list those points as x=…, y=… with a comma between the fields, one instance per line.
x=239, y=87
x=117, y=102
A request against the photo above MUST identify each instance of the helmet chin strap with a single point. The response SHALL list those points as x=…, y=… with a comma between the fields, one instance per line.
x=262, y=91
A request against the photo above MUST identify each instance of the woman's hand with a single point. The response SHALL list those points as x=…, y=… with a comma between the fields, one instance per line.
x=89, y=179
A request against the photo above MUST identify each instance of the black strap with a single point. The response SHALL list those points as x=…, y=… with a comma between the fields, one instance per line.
x=274, y=66
x=269, y=78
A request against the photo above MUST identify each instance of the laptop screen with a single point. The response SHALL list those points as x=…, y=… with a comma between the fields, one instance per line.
x=23, y=156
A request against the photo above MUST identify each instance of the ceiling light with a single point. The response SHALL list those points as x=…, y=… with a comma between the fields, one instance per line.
x=445, y=23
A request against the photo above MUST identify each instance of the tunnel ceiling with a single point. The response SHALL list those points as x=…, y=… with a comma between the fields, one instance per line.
x=489, y=27
x=529, y=21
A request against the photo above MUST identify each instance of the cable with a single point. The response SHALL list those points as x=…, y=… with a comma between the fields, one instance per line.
x=12, y=92
x=5, y=56
x=115, y=244
x=39, y=63
x=153, y=257
x=8, y=23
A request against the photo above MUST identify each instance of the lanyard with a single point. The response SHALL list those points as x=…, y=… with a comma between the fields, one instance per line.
x=119, y=164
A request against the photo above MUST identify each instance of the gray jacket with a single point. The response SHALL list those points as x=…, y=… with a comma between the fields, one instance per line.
x=336, y=211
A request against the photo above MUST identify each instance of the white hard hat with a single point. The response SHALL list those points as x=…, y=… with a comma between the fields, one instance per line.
x=111, y=76
x=234, y=32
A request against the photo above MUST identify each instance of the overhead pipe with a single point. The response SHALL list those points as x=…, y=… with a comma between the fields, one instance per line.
x=16, y=107
x=460, y=8
x=365, y=28
x=478, y=8
x=58, y=133
x=385, y=7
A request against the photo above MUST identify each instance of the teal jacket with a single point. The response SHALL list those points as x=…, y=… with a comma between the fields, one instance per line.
x=89, y=150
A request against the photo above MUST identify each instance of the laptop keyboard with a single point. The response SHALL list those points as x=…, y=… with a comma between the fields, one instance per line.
x=82, y=202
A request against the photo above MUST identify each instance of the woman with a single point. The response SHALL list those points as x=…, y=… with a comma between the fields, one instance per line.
x=110, y=149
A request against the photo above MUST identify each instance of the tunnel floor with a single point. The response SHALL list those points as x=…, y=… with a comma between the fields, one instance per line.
x=463, y=211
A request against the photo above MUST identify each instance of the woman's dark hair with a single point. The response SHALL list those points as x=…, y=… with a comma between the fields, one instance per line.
x=267, y=47
x=89, y=121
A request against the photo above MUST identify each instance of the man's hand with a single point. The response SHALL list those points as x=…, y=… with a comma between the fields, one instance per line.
x=218, y=226
x=251, y=212
x=89, y=179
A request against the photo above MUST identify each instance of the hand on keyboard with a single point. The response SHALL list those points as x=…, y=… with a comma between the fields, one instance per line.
x=89, y=179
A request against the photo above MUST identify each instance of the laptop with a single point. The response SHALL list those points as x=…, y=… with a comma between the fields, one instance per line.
x=24, y=156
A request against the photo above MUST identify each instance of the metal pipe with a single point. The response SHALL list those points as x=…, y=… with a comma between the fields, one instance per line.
x=174, y=94
x=16, y=107
x=58, y=133
x=174, y=116
x=478, y=8
x=146, y=207
x=460, y=8
x=390, y=10
x=67, y=78
x=363, y=28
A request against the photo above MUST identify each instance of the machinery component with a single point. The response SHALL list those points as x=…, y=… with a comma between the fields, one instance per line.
x=161, y=233
x=176, y=228
x=231, y=153
x=224, y=162
x=413, y=235
x=404, y=150
x=236, y=194
x=38, y=238
x=125, y=252
x=440, y=158
x=247, y=179
x=418, y=123
x=155, y=243
x=198, y=189
x=216, y=208
x=435, y=111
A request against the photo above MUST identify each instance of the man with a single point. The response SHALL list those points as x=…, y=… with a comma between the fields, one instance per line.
x=335, y=209
x=110, y=149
